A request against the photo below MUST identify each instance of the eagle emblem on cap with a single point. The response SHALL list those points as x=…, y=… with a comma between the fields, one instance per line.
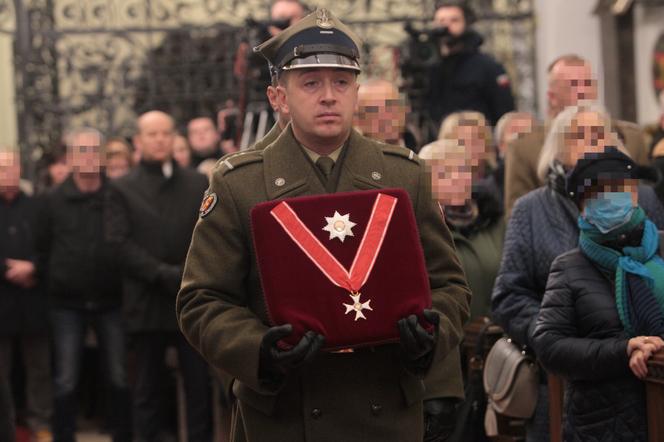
x=323, y=19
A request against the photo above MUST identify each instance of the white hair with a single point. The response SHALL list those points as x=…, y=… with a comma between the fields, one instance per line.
x=71, y=134
x=554, y=143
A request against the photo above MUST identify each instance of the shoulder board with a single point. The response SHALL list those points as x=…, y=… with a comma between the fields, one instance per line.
x=238, y=159
x=399, y=152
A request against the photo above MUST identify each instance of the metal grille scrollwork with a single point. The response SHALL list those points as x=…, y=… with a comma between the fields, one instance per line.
x=101, y=62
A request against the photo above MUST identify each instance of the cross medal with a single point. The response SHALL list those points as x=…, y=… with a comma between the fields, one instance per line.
x=357, y=306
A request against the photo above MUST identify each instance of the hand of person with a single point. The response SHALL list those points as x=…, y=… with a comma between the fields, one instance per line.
x=647, y=344
x=275, y=361
x=439, y=419
x=20, y=272
x=638, y=363
x=416, y=343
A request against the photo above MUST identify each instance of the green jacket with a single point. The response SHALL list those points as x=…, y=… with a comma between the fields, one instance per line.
x=360, y=396
x=443, y=380
x=480, y=255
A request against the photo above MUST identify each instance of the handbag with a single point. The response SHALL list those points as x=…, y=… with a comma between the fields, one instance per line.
x=511, y=380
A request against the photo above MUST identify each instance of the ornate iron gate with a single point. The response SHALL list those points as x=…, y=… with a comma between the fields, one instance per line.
x=100, y=62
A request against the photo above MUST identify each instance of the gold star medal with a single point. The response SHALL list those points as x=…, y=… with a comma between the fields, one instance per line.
x=339, y=226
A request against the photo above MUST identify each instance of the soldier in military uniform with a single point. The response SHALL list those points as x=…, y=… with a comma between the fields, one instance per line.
x=303, y=394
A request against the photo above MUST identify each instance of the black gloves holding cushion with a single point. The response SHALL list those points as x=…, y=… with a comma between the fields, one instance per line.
x=276, y=363
x=417, y=344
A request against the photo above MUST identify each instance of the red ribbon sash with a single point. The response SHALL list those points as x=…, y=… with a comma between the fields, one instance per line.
x=366, y=254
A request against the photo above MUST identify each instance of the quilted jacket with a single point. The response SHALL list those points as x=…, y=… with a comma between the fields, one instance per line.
x=543, y=225
x=579, y=336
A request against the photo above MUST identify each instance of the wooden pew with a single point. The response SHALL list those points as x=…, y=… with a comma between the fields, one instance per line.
x=655, y=397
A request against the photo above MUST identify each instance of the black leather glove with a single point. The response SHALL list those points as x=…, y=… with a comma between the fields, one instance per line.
x=417, y=344
x=439, y=419
x=276, y=363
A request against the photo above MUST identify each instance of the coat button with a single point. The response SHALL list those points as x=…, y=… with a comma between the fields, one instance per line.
x=316, y=413
x=376, y=409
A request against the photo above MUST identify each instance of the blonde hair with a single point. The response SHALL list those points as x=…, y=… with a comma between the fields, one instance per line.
x=449, y=130
x=443, y=150
x=554, y=144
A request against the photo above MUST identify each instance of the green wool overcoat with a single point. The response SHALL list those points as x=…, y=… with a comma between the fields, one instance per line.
x=363, y=396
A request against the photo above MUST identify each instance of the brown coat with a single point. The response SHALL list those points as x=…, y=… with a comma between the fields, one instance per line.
x=360, y=396
x=523, y=154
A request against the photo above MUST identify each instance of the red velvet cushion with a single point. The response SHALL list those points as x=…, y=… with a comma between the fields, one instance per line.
x=298, y=293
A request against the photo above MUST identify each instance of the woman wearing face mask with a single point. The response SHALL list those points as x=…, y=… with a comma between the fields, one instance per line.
x=602, y=315
x=543, y=225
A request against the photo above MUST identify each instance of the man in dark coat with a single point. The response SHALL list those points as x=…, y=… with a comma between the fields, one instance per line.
x=23, y=305
x=465, y=78
x=84, y=285
x=303, y=394
x=150, y=219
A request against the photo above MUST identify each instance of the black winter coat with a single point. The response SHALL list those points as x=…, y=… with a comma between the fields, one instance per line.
x=150, y=221
x=82, y=269
x=580, y=337
x=543, y=225
x=22, y=311
x=469, y=80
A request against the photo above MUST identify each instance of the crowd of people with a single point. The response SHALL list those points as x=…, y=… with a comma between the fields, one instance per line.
x=554, y=224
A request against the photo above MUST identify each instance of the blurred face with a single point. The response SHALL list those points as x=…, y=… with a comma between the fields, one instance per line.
x=84, y=154
x=568, y=84
x=117, y=166
x=452, y=18
x=117, y=146
x=181, y=152
x=321, y=103
x=58, y=171
x=203, y=136
x=285, y=10
x=587, y=134
x=519, y=125
x=381, y=113
x=605, y=187
x=473, y=139
x=155, y=137
x=451, y=179
x=10, y=171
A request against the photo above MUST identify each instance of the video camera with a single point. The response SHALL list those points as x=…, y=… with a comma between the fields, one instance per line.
x=424, y=45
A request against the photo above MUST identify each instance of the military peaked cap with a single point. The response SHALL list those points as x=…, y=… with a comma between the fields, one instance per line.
x=318, y=40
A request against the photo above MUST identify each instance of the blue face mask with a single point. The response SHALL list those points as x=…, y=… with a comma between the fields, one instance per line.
x=609, y=210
